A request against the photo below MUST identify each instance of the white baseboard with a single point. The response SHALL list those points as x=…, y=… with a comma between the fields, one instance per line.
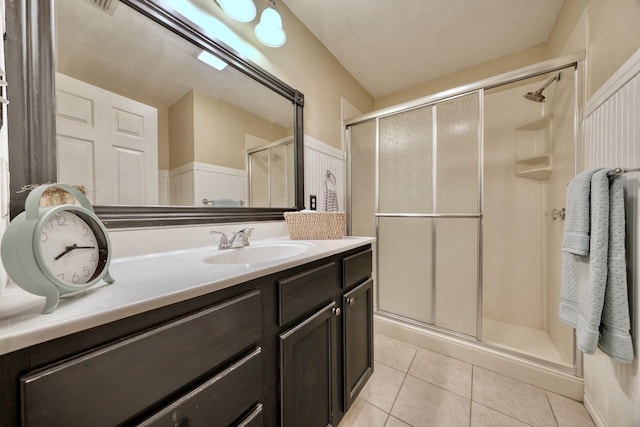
x=593, y=411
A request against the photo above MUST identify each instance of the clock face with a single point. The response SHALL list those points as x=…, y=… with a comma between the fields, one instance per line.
x=72, y=250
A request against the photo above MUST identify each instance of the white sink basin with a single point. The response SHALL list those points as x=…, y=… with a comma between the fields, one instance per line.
x=258, y=253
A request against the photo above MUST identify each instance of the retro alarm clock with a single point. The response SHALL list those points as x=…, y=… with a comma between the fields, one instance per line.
x=55, y=250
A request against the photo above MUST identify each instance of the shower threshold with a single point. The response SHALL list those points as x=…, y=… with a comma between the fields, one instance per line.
x=531, y=341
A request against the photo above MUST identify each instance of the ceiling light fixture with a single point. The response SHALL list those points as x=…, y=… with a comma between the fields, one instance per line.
x=269, y=30
x=212, y=60
x=240, y=10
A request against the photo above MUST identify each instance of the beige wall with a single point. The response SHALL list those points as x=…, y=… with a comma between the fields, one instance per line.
x=609, y=30
x=208, y=130
x=181, y=132
x=501, y=65
x=305, y=64
x=220, y=129
x=163, y=138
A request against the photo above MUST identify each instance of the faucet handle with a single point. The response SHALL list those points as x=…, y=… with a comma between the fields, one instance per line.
x=245, y=233
x=224, y=241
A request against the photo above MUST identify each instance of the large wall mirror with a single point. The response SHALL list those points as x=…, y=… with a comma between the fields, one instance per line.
x=159, y=122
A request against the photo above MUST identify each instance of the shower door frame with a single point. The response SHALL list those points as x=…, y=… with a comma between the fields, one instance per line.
x=575, y=60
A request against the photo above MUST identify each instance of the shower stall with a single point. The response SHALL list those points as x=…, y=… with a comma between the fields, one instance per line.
x=465, y=192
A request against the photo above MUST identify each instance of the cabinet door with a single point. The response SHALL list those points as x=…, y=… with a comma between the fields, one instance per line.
x=358, y=340
x=308, y=370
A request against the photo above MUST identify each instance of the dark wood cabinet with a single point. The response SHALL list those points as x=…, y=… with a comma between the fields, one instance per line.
x=358, y=340
x=308, y=370
x=293, y=348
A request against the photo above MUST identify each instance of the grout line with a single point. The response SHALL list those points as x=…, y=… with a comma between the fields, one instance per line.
x=439, y=386
x=506, y=415
x=471, y=398
x=546, y=395
x=394, y=368
x=401, y=385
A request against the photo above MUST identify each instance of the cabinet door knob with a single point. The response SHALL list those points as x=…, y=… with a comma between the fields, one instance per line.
x=337, y=311
x=351, y=301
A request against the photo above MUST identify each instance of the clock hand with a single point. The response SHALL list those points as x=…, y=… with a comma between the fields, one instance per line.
x=66, y=251
x=70, y=248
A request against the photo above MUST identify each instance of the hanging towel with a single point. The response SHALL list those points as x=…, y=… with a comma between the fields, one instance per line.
x=575, y=244
x=576, y=226
x=615, y=338
x=593, y=289
x=330, y=193
x=591, y=292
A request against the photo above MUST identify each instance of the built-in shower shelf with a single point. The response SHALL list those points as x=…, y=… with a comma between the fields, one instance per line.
x=533, y=149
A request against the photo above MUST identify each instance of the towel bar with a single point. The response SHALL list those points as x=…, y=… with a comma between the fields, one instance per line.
x=620, y=171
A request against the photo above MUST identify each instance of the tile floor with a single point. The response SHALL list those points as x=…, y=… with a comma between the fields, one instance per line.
x=415, y=387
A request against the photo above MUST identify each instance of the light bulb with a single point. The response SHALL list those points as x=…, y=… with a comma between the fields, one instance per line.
x=269, y=30
x=240, y=10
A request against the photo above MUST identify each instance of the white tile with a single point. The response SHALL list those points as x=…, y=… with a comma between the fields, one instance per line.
x=569, y=413
x=363, y=414
x=512, y=397
x=444, y=371
x=394, y=353
x=481, y=416
x=423, y=404
x=382, y=388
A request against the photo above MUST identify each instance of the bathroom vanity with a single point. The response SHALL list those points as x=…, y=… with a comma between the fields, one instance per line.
x=183, y=339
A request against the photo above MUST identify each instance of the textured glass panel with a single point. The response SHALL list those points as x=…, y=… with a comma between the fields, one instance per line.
x=259, y=190
x=406, y=162
x=278, y=176
x=456, y=261
x=404, y=273
x=363, y=174
x=457, y=122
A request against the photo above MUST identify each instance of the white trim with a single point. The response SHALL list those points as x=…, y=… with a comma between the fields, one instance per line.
x=163, y=173
x=593, y=411
x=206, y=167
x=317, y=145
x=626, y=72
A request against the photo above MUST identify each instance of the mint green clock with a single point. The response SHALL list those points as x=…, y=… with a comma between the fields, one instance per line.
x=56, y=250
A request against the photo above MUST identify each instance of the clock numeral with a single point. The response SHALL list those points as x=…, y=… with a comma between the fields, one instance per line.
x=44, y=237
x=61, y=276
x=86, y=271
x=61, y=219
x=93, y=258
x=86, y=231
x=75, y=278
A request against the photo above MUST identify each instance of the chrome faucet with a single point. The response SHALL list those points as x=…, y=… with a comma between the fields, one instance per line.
x=239, y=239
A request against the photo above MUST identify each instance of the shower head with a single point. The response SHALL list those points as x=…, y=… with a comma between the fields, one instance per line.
x=537, y=96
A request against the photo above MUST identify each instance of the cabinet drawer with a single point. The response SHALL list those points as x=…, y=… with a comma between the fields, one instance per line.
x=219, y=401
x=139, y=371
x=254, y=419
x=356, y=268
x=304, y=292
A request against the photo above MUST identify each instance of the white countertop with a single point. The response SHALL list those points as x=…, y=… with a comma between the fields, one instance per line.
x=142, y=283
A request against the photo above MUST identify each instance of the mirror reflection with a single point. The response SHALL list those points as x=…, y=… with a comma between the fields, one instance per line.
x=144, y=117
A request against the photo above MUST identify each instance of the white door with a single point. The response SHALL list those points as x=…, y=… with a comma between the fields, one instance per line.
x=106, y=142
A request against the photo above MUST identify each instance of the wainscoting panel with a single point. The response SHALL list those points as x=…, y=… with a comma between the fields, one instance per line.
x=611, y=137
x=318, y=158
x=191, y=183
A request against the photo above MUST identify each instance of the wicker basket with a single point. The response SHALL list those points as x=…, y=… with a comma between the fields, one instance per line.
x=315, y=225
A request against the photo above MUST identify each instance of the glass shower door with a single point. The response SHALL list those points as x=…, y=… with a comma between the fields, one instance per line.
x=428, y=214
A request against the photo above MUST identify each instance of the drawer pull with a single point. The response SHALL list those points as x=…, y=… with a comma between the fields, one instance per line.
x=351, y=301
x=337, y=311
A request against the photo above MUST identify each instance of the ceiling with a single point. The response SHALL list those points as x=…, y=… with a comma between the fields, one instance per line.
x=392, y=45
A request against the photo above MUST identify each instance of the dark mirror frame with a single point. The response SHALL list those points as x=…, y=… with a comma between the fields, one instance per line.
x=30, y=70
